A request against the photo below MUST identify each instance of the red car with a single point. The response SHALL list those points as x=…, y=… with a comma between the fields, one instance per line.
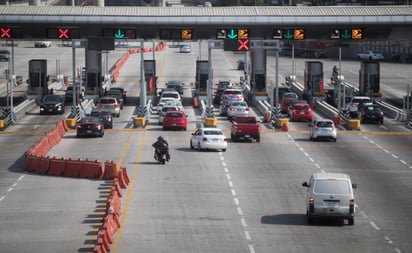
x=300, y=111
x=287, y=98
x=175, y=120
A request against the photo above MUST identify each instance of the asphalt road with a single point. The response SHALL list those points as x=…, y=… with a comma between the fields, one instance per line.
x=247, y=199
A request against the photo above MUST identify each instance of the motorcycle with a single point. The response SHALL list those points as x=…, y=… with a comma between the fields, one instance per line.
x=162, y=154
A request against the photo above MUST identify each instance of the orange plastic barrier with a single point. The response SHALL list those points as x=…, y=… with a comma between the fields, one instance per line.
x=65, y=126
x=57, y=166
x=113, y=205
x=32, y=162
x=195, y=102
x=43, y=165
x=110, y=170
x=126, y=177
x=73, y=168
x=98, y=249
x=91, y=169
x=122, y=181
x=103, y=241
x=116, y=189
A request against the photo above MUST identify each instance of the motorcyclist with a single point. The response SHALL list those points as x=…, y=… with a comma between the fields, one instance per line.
x=160, y=143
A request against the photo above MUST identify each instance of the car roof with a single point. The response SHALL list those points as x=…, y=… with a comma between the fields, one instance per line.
x=330, y=175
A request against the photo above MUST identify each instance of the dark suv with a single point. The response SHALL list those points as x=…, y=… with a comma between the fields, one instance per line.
x=371, y=113
x=52, y=104
x=104, y=115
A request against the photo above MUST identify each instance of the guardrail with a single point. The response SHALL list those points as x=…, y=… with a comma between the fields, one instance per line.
x=393, y=112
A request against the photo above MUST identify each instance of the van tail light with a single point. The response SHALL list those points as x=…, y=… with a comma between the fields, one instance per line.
x=311, y=204
x=351, y=206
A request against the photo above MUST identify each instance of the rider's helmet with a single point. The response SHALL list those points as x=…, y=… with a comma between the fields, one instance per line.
x=160, y=138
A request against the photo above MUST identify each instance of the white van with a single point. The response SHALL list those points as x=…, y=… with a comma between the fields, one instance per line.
x=330, y=195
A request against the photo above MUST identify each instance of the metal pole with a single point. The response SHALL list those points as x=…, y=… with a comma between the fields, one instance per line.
x=277, y=85
x=293, y=59
x=340, y=83
x=209, y=77
x=74, y=81
x=154, y=51
x=142, y=77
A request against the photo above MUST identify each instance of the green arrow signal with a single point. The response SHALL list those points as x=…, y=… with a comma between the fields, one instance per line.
x=232, y=34
x=119, y=34
x=346, y=34
x=288, y=35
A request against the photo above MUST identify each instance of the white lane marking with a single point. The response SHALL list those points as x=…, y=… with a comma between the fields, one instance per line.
x=311, y=159
x=306, y=154
x=402, y=161
x=317, y=165
x=222, y=158
x=233, y=192
x=247, y=235
x=20, y=178
x=224, y=164
x=323, y=171
x=243, y=221
x=236, y=201
x=228, y=176
x=239, y=211
x=374, y=225
x=301, y=149
x=386, y=151
x=388, y=240
x=226, y=170
x=2, y=197
x=251, y=248
x=395, y=156
x=230, y=184
x=10, y=189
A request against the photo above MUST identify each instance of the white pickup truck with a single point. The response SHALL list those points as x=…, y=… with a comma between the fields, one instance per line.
x=369, y=55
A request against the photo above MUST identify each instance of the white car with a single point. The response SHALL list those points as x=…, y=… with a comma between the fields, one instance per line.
x=237, y=108
x=185, y=49
x=43, y=43
x=164, y=101
x=322, y=129
x=330, y=195
x=208, y=138
x=369, y=55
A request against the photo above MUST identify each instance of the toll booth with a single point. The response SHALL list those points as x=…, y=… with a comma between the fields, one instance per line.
x=93, y=81
x=369, y=79
x=202, y=74
x=37, y=82
x=150, y=77
x=313, y=80
x=258, y=72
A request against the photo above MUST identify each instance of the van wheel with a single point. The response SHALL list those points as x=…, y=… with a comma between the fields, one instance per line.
x=351, y=221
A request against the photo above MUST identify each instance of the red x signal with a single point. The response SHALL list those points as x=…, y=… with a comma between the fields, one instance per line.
x=243, y=45
x=63, y=33
x=5, y=32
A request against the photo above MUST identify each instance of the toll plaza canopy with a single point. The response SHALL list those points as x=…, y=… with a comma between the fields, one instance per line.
x=319, y=22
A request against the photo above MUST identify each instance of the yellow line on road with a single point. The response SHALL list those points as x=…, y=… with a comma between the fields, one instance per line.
x=125, y=146
x=129, y=194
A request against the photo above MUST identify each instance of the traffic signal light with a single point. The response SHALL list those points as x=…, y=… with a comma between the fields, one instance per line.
x=63, y=33
x=5, y=32
x=236, y=45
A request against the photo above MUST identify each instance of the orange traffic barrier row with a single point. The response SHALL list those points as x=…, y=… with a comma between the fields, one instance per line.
x=91, y=169
x=57, y=166
x=73, y=168
x=110, y=170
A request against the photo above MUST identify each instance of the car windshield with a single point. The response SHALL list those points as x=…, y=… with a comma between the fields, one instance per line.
x=51, y=99
x=331, y=187
x=212, y=132
x=324, y=124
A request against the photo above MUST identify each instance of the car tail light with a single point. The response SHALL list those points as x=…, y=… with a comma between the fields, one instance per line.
x=225, y=139
x=247, y=109
x=79, y=127
x=204, y=139
x=353, y=105
x=99, y=105
x=381, y=114
x=99, y=127
x=316, y=127
x=116, y=105
x=231, y=108
x=351, y=206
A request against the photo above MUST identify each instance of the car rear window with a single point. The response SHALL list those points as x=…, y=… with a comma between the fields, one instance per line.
x=235, y=92
x=302, y=107
x=107, y=101
x=99, y=113
x=324, y=124
x=331, y=187
x=373, y=108
x=174, y=115
x=170, y=95
x=212, y=132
